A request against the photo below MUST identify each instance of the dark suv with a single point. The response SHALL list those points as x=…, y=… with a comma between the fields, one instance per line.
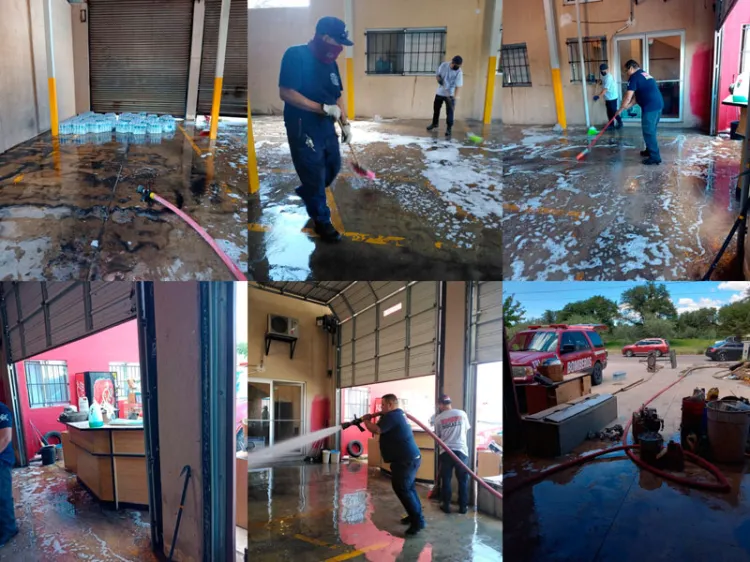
x=579, y=348
x=725, y=351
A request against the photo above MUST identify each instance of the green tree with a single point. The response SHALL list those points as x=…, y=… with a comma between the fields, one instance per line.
x=548, y=317
x=513, y=312
x=701, y=323
x=599, y=309
x=656, y=327
x=650, y=299
x=734, y=319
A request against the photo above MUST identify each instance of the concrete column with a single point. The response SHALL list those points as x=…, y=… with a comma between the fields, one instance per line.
x=349, y=20
x=196, y=53
x=454, y=340
x=554, y=60
x=219, y=76
x=54, y=121
x=495, y=37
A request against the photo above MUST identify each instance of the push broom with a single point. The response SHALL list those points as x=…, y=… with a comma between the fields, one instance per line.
x=583, y=154
x=358, y=169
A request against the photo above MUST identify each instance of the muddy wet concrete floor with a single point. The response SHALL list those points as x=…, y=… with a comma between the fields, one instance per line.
x=432, y=213
x=59, y=520
x=610, y=510
x=341, y=512
x=69, y=208
x=610, y=216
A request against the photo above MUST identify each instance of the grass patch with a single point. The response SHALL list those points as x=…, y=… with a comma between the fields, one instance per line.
x=682, y=347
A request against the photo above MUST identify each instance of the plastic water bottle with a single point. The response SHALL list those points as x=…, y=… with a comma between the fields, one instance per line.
x=123, y=126
x=154, y=128
x=139, y=128
x=66, y=128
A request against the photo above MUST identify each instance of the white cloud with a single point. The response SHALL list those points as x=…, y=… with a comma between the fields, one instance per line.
x=740, y=286
x=689, y=305
x=736, y=298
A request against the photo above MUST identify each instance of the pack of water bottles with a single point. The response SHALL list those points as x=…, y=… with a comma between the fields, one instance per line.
x=133, y=127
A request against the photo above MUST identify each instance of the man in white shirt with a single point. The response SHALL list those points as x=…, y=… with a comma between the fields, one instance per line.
x=450, y=80
x=451, y=426
x=609, y=91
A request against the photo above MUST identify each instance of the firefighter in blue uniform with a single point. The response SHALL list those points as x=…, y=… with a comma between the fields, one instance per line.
x=310, y=86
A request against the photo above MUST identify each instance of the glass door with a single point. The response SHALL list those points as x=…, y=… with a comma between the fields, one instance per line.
x=626, y=48
x=258, y=415
x=287, y=410
x=662, y=55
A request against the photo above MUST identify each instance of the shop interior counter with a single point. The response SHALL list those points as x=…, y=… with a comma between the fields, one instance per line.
x=109, y=460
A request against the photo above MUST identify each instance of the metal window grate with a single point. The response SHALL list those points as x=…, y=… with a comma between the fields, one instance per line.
x=127, y=372
x=405, y=51
x=514, y=64
x=357, y=402
x=47, y=383
x=745, y=48
x=594, y=54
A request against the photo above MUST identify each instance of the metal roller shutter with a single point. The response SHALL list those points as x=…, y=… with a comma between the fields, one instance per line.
x=395, y=338
x=139, y=55
x=41, y=316
x=487, y=317
x=725, y=8
x=234, y=90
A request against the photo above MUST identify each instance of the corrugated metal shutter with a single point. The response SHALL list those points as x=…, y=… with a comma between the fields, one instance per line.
x=41, y=316
x=725, y=9
x=234, y=90
x=139, y=55
x=488, y=318
x=397, y=338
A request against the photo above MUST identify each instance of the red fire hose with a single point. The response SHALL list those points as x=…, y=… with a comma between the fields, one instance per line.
x=721, y=485
x=148, y=194
x=476, y=478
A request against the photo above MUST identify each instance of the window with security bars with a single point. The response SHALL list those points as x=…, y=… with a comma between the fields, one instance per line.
x=745, y=52
x=47, y=383
x=357, y=402
x=594, y=54
x=514, y=65
x=128, y=378
x=405, y=51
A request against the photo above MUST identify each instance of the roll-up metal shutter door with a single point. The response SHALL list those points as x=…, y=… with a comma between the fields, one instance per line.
x=396, y=338
x=725, y=8
x=39, y=316
x=487, y=315
x=139, y=55
x=234, y=90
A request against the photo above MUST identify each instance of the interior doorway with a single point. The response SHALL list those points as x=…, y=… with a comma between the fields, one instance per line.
x=661, y=54
x=276, y=412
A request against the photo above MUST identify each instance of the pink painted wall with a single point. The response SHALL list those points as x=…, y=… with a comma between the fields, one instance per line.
x=118, y=344
x=420, y=389
x=730, y=60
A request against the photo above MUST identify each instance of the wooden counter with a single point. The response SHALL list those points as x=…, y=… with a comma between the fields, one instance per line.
x=109, y=460
x=241, y=490
x=426, y=444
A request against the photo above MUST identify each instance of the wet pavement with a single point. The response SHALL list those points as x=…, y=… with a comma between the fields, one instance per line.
x=609, y=510
x=432, y=213
x=341, y=512
x=59, y=520
x=69, y=209
x=611, y=217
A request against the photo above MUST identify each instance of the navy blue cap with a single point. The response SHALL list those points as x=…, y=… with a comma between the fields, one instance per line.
x=335, y=29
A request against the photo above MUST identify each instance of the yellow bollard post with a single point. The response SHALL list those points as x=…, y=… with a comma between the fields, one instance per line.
x=252, y=160
x=51, y=85
x=219, y=76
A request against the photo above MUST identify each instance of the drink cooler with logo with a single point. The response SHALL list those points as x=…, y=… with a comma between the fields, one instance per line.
x=97, y=386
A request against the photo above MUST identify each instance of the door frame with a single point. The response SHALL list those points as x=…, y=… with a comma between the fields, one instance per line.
x=271, y=418
x=644, y=37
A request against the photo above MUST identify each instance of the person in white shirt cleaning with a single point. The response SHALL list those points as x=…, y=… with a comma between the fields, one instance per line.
x=450, y=80
x=609, y=91
x=451, y=426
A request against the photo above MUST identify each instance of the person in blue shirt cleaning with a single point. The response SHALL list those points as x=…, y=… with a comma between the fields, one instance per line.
x=8, y=527
x=397, y=446
x=609, y=91
x=310, y=86
x=643, y=90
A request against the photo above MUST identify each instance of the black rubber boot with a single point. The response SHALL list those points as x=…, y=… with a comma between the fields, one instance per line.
x=432, y=126
x=645, y=152
x=406, y=520
x=448, y=132
x=327, y=232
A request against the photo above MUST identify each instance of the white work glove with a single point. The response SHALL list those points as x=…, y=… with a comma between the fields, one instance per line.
x=332, y=111
x=346, y=133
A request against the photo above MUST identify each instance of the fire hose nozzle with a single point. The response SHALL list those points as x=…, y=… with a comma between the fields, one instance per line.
x=357, y=422
x=145, y=193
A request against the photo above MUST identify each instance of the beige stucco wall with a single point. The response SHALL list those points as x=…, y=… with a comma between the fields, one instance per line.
x=24, y=101
x=523, y=21
x=272, y=31
x=81, y=57
x=310, y=362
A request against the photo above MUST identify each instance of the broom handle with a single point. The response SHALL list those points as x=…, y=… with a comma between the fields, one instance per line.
x=593, y=142
x=354, y=155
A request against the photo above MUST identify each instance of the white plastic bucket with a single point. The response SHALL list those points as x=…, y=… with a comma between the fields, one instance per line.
x=326, y=456
x=335, y=457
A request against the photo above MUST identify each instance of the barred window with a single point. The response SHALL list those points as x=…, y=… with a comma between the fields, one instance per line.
x=128, y=376
x=47, y=383
x=357, y=402
x=514, y=65
x=594, y=54
x=405, y=51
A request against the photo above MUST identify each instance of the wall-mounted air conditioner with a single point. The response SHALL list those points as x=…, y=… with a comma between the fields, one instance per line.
x=283, y=326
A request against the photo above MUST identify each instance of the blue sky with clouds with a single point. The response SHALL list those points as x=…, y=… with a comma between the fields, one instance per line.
x=538, y=296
